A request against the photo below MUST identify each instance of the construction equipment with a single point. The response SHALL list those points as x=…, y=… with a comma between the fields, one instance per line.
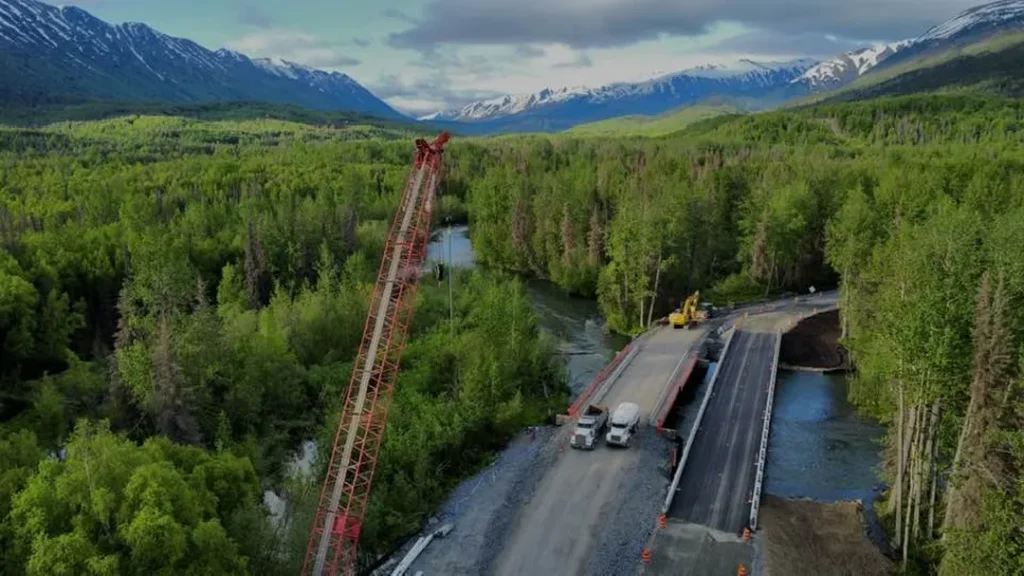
x=688, y=313
x=339, y=516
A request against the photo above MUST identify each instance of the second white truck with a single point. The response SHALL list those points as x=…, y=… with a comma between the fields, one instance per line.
x=624, y=423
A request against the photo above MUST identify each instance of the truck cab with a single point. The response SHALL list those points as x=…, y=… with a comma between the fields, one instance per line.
x=625, y=421
x=589, y=427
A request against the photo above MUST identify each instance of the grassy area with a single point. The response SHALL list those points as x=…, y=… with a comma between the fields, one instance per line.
x=355, y=124
x=661, y=125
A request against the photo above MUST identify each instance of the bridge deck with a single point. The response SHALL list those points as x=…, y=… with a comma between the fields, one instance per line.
x=718, y=479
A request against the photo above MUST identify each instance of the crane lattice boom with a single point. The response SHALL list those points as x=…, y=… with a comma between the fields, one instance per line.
x=346, y=488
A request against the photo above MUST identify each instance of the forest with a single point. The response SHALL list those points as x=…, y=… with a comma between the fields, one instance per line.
x=186, y=296
x=180, y=305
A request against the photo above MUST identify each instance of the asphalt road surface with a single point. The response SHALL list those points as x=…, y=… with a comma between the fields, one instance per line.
x=718, y=479
x=578, y=498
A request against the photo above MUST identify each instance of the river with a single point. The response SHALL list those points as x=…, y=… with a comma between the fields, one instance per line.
x=818, y=447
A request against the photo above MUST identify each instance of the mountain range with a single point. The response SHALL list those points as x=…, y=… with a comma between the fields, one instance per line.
x=54, y=54
x=50, y=53
x=757, y=85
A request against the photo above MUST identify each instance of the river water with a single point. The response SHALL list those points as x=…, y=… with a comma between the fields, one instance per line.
x=819, y=447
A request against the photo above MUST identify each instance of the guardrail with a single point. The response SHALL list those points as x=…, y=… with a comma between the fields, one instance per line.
x=584, y=397
x=696, y=425
x=755, y=499
x=608, y=375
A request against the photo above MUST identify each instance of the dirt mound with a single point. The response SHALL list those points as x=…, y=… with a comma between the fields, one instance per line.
x=807, y=537
x=814, y=343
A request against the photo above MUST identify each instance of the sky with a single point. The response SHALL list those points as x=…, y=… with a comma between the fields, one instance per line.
x=427, y=55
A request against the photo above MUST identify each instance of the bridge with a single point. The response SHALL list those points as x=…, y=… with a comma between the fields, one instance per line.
x=591, y=508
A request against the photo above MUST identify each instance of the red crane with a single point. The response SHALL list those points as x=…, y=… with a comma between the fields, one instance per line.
x=346, y=489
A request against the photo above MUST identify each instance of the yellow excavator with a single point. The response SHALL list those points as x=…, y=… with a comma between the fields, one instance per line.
x=688, y=314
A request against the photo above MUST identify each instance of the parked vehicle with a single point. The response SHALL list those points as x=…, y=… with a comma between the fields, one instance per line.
x=625, y=421
x=589, y=427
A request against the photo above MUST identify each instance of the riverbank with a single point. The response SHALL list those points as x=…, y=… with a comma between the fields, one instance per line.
x=813, y=345
x=808, y=537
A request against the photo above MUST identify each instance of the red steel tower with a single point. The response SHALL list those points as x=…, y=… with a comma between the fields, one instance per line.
x=346, y=488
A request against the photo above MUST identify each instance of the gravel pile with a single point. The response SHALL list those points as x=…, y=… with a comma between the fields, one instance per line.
x=642, y=493
x=483, y=509
x=521, y=488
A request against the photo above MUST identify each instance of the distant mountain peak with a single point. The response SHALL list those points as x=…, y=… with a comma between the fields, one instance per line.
x=67, y=51
x=847, y=67
x=990, y=15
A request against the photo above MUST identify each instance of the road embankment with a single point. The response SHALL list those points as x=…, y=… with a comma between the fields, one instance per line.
x=813, y=344
x=808, y=537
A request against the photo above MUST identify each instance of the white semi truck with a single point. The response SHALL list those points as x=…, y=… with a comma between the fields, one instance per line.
x=625, y=420
x=589, y=427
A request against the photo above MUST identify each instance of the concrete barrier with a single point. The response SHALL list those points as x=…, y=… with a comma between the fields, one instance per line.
x=693, y=431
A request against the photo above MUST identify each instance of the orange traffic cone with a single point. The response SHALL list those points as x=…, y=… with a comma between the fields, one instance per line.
x=741, y=571
x=645, y=556
x=662, y=522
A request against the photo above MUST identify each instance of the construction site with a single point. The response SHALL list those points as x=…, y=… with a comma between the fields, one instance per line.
x=657, y=467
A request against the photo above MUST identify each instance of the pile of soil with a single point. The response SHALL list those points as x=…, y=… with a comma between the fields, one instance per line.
x=807, y=537
x=814, y=343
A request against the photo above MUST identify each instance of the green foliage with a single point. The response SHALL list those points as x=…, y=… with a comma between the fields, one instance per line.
x=112, y=507
x=660, y=125
x=347, y=124
x=458, y=398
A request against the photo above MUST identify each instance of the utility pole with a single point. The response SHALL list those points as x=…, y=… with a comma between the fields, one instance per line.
x=451, y=309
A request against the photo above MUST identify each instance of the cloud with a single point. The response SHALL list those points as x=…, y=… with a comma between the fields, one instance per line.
x=528, y=51
x=616, y=23
x=424, y=95
x=293, y=46
x=396, y=14
x=448, y=62
x=766, y=43
x=252, y=16
x=361, y=42
x=581, y=61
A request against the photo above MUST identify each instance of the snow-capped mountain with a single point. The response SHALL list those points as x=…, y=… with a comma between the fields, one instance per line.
x=970, y=25
x=506, y=105
x=566, y=107
x=51, y=51
x=845, y=68
x=998, y=16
